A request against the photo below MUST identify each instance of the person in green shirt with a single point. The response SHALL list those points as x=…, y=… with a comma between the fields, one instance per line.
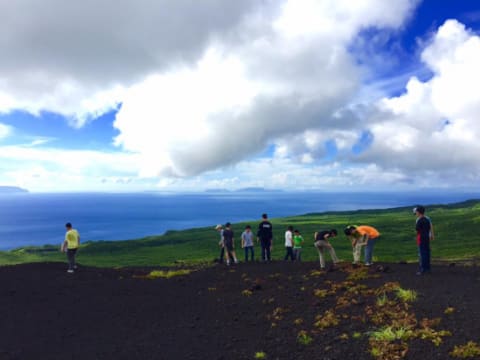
x=297, y=245
x=70, y=246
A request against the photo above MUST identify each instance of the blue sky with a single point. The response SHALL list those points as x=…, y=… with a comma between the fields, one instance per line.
x=295, y=95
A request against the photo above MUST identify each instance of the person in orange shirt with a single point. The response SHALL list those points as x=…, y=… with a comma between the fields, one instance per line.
x=363, y=235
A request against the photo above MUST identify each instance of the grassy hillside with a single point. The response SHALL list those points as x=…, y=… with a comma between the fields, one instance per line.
x=455, y=230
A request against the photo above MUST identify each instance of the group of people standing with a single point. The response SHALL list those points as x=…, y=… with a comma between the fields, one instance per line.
x=360, y=236
x=363, y=236
x=227, y=243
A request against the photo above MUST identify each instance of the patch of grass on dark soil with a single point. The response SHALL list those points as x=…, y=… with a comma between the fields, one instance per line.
x=278, y=310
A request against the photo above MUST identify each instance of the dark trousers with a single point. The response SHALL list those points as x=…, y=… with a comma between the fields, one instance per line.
x=289, y=253
x=247, y=250
x=222, y=254
x=266, y=244
x=424, y=256
x=71, y=258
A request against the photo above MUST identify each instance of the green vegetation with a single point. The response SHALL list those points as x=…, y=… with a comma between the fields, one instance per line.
x=303, y=338
x=455, y=230
x=406, y=295
x=469, y=350
x=260, y=355
x=391, y=334
x=167, y=274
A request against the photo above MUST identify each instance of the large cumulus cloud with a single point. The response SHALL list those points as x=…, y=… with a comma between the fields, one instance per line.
x=432, y=130
x=76, y=58
x=287, y=73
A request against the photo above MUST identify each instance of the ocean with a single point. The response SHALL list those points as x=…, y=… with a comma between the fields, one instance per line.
x=38, y=219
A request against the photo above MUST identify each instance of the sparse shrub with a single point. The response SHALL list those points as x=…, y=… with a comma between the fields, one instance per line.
x=469, y=350
x=247, y=292
x=358, y=274
x=391, y=334
x=434, y=336
x=357, y=335
x=449, y=310
x=155, y=274
x=406, y=295
x=321, y=293
x=328, y=319
x=298, y=321
x=388, y=287
x=382, y=300
x=303, y=338
x=260, y=355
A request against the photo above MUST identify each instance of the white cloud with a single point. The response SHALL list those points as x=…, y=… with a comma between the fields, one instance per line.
x=5, y=131
x=48, y=169
x=77, y=58
x=432, y=130
x=205, y=86
x=289, y=74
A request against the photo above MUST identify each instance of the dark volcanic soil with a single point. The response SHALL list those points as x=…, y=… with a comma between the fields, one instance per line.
x=112, y=314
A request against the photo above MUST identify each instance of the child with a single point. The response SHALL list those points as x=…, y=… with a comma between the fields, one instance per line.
x=247, y=242
x=360, y=236
x=322, y=243
x=229, y=244
x=289, y=244
x=297, y=245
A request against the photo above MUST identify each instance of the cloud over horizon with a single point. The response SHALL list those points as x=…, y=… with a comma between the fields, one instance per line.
x=207, y=92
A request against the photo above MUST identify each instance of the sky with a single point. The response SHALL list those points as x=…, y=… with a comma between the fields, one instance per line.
x=161, y=95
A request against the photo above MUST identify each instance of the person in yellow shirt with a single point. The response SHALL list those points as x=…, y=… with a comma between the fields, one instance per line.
x=363, y=235
x=70, y=246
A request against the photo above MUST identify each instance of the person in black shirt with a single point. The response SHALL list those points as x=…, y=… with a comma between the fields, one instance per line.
x=322, y=243
x=229, y=244
x=424, y=228
x=265, y=236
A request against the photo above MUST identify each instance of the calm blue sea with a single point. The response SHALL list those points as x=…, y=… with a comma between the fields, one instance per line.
x=37, y=219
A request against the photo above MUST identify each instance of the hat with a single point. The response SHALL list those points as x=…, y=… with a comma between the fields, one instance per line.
x=420, y=209
x=218, y=227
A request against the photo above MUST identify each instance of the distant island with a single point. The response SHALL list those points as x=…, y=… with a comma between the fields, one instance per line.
x=12, y=190
x=247, y=189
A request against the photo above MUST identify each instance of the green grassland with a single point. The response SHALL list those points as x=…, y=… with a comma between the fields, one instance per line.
x=455, y=227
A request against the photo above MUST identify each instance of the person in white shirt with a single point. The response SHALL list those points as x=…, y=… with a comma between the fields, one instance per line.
x=289, y=244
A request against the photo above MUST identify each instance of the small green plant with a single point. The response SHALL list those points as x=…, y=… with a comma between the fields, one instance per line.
x=321, y=293
x=382, y=300
x=357, y=335
x=247, y=292
x=303, y=338
x=469, y=350
x=391, y=334
x=406, y=295
x=328, y=319
x=155, y=274
x=260, y=355
x=358, y=274
x=298, y=321
x=449, y=310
